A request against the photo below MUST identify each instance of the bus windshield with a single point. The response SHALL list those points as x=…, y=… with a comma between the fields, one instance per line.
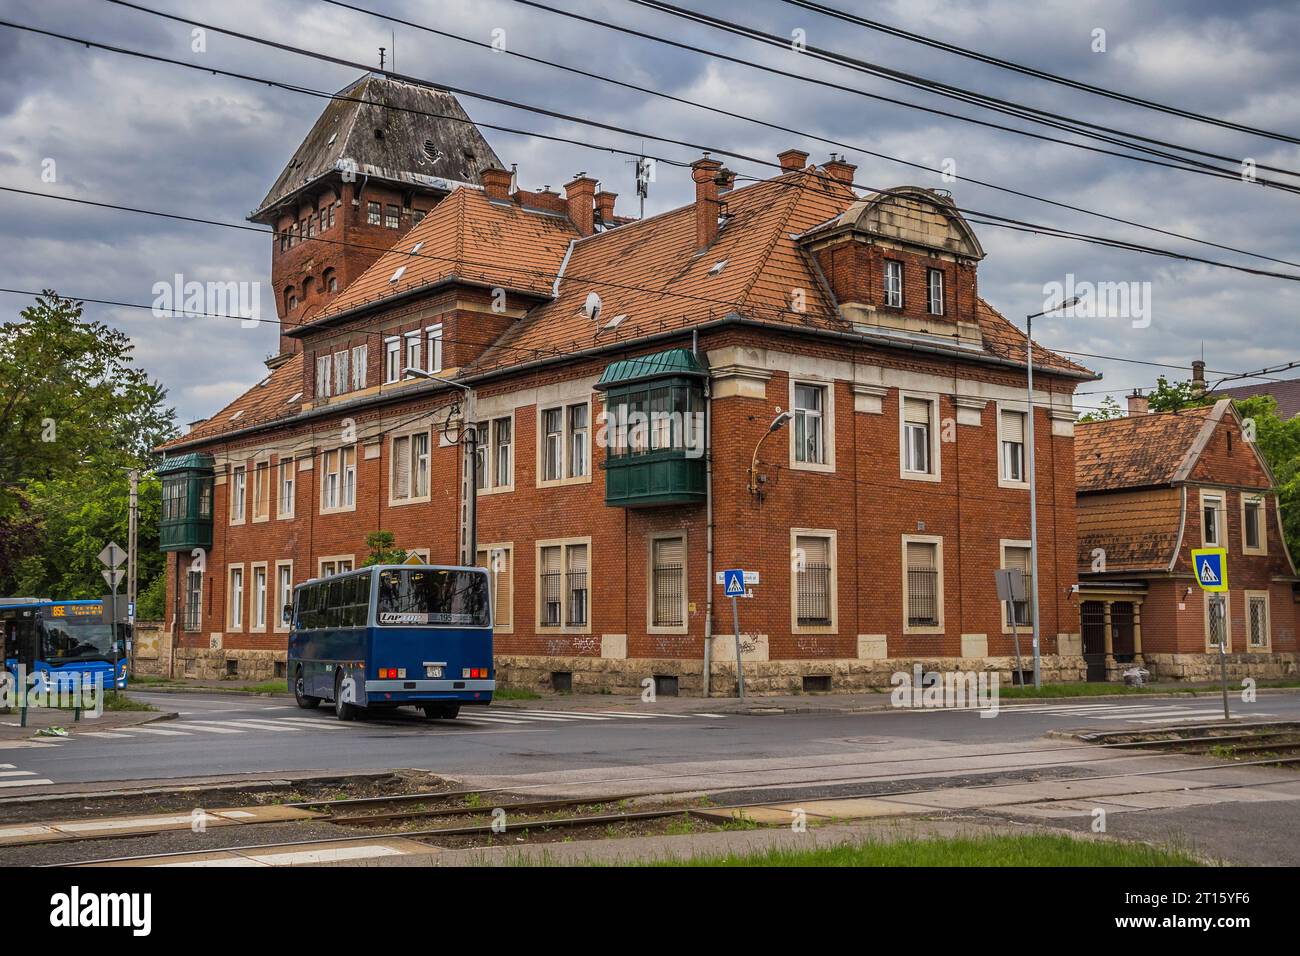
x=432, y=596
x=68, y=639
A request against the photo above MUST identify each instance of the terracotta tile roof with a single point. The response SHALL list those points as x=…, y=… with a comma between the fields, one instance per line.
x=267, y=401
x=1136, y=529
x=1003, y=339
x=1286, y=394
x=1136, y=451
x=469, y=237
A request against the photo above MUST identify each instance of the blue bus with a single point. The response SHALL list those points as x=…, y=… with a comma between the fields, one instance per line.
x=62, y=642
x=391, y=636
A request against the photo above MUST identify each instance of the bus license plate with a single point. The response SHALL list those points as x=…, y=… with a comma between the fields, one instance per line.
x=431, y=671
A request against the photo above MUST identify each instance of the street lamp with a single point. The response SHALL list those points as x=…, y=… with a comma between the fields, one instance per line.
x=1033, y=483
x=469, y=484
x=777, y=424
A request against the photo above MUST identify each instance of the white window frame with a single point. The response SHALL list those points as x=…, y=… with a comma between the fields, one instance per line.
x=934, y=296
x=360, y=356
x=235, y=608
x=347, y=478
x=324, y=377
x=261, y=499
x=410, y=497
x=283, y=596
x=286, y=495
x=499, y=626
x=563, y=627
x=827, y=414
x=651, y=626
x=1220, y=518
x=188, y=592
x=335, y=560
x=392, y=368
x=1206, y=596
x=1029, y=599
x=832, y=549
x=254, y=625
x=936, y=461
x=411, y=350
x=238, y=494
x=893, y=284
x=433, y=335
x=937, y=541
x=1262, y=523
x=488, y=472
x=566, y=445
x=1248, y=597
x=342, y=372
x=1004, y=479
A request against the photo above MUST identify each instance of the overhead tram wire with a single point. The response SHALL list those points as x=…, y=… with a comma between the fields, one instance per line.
x=1200, y=168
x=948, y=90
x=957, y=50
x=391, y=18
x=993, y=218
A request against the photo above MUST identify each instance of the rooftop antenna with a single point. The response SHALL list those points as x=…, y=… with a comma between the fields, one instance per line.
x=392, y=34
x=381, y=57
x=644, y=173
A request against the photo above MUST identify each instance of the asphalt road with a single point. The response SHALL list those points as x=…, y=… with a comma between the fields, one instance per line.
x=220, y=734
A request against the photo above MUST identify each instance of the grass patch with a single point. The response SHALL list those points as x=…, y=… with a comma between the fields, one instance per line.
x=122, y=702
x=1010, y=692
x=514, y=693
x=149, y=679
x=269, y=687
x=1026, y=850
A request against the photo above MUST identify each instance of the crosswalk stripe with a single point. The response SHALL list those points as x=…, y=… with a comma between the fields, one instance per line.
x=105, y=734
x=257, y=725
x=200, y=726
x=571, y=714
x=1187, y=716
x=315, y=723
x=159, y=731
x=1163, y=713
x=539, y=717
x=490, y=721
x=33, y=782
x=16, y=773
x=6, y=766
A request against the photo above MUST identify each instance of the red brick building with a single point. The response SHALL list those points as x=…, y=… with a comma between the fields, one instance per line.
x=624, y=379
x=1151, y=488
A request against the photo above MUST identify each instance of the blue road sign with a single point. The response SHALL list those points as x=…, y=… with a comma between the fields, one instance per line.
x=1211, y=567
x=733, y=582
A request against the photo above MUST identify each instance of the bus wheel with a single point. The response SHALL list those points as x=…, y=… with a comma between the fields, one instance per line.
x=303, y=701
x=342, y=710
x=445, y=711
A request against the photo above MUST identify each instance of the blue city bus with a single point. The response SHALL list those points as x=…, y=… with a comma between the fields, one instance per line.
x=391, y=636
x=58, y=643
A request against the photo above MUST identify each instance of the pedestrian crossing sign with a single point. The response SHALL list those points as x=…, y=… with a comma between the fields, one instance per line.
x=733, y=582
x=1211, y=567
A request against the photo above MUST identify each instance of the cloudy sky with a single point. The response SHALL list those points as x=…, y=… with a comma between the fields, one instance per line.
x=161, y=137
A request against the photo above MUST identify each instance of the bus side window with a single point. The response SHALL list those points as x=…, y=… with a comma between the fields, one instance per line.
x=363, y=599
x=307, y=614
x=333, y=603
x=346, y=616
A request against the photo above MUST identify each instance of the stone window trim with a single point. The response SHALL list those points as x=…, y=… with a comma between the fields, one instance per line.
x=1206, y=598
x=1208, y=495
x=238, y=491
x=235, y=621
x=508, y=547
x=490, y=487
x=651, y=626
x=281, y=626
x=831, y=537
x=251, y=598
x=395, y=502
x=827, y=387
x=283, y=513
x=564, y=544
x=566, y=444
x=1004, y=409
x=336, y=560
x=1003, y=544
x=1248, y=597
x=324, y=474
x=935, y=474
x=937, y=541
x=392, y=344
x=1257, y=497
x=263, y=471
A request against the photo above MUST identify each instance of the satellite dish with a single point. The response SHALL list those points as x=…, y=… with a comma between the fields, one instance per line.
x=591, y=308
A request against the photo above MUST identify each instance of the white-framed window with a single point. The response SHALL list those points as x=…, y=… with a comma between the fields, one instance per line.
x=283, y=593
x=494, y=448
x=342, y=379
x=238, y=494
x=235, y=599
x=392, y=360
x=288, y=479
x=564, y=443
x=258, y=621
x=434, y=335
x=809, y=423
x=1212, y=519
x=562, y=585
x=412, y=351
x=666, y=594
x=359, y=356
x=1254, y=531
x=374, y=214
x=1017, y=555
x=893, y=284
x=335, y=564
x=934, y=291
x=813, y=589
x=408, y=478
x=1258, y=625
x=262, y=491
x=339, y=479
x=193, y=601
x=499, y=559
x=323, y=380
x=918, y=436
x=1011, y=444
x=922, y=584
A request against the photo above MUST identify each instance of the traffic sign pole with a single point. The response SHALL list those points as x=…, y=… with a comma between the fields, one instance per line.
x=740, y=670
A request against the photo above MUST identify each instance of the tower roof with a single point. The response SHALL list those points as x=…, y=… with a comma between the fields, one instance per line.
x=384, y=126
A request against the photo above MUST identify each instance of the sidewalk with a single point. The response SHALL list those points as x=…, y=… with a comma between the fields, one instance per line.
x=41, y=718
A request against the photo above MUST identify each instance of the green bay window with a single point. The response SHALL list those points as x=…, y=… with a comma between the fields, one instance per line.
x=186, y=502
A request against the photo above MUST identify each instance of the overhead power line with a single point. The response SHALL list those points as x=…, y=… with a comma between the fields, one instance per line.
x=1024, y=70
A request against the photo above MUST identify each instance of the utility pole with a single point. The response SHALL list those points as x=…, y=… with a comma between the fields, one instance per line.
x=132, y=565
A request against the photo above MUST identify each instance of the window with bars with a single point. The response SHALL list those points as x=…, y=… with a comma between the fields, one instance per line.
x=916, y=435
x=562, y=585
x=668, y=582
x=1257, y=620
x=1017, y=613
x=813, y=581
x=810, y=424
x=1013, y=445
x=193, y=600
x=1216, y=619
x=575, y=581
x=549, y=586
x=922, y=598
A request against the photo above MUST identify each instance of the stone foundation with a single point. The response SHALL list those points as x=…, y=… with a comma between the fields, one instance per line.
x=200, y=663
x=1205, y=667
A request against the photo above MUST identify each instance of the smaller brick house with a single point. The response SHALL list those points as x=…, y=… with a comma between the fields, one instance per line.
x=1151, y=487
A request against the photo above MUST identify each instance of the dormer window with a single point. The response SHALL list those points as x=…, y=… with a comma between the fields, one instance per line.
x=893, y=284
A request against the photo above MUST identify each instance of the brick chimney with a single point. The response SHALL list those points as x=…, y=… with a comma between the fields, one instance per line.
x=605, y=207
x=707, y=207
x=580, y=195
x=496, y=182
x=1198, y=377
x=1138, y=404
x=839, y=169
x=793, y=160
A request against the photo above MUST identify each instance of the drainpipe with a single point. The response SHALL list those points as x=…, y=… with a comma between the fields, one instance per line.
x=708, y=519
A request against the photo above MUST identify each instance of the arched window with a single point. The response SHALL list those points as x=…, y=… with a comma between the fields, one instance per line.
x=308, y=287
x=330, y=281
x=290, y=299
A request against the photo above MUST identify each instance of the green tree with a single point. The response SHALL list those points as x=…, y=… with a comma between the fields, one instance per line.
x=75, y=414
x=1279, y=442
x=1108, y=410
x=382, y=551
x=1170, y=396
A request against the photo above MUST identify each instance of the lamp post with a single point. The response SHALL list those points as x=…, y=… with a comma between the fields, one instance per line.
x=1033, y=482
x=777, y=424
x=469, y=485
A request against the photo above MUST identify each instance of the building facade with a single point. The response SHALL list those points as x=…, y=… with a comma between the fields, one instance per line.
x=1153, y=487
x=785, y=377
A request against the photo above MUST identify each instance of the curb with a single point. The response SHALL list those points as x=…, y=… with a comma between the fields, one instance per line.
x=183, y=689
x=123, y=788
